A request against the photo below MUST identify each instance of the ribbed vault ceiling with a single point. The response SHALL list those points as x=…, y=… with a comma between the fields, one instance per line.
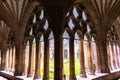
x=12, y=10
x=117, y=26
x=103, y=12
x=15, y=12
x=4, y=31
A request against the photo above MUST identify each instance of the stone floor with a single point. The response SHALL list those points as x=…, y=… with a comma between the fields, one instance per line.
x=1, y=78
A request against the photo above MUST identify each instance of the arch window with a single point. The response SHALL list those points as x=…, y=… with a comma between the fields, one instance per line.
x=67, y=14
x=75, y=13
x=66, y=54
x=85, y=38
x=42, y=14
x=51, y=36
x=88, y=28
x=71, y=25
x=46, y=25
x=34, y=18
x=51, y=54
x=31, y=31
x=84, y=16
x=65, y=35
x=76, y=36
x=41, y=38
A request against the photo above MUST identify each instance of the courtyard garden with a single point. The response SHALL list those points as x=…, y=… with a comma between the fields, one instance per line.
x=66, y=68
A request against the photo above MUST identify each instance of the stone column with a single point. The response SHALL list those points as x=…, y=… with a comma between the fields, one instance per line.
x=19, y=55
x=113, y=55
x=109, y=57
x=38, y=59
x=46, y=58
x=58, y=56
x=24, y=60
x=82, y=60
x=3, y=59
x=118, y=55
x=98, y=69
x=118, y=48
x=30, y=66
x=117, y=58
x=72, y=60
x=112, y=58
x=90, y=60
x=9, y=59
x=0, y=58
x=101, y=45
x=13, y=59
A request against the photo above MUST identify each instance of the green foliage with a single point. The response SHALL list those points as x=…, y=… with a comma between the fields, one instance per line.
x=66, y=68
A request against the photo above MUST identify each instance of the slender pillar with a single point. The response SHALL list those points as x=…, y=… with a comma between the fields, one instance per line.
x=46, y=58
x=37, y=67
x=9, y=61
x=10, y=68
x=98, y=57
x=109, y=57
x=118, y=49
x=30, y=66
x=72, y=60
x=113, y=55
x=0, y=59
x=6, y=60
x=112, y=58
x=119, y=53
x=58, y=56
x=90, y=61
x=24, y=60
x=117, y=58
x=3, y=59
x=82, y=60
x=13, y=59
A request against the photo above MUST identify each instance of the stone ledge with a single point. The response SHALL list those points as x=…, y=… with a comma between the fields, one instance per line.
x=8, y=76
x=110, y=76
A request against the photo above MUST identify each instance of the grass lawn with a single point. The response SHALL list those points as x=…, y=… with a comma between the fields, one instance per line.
x=66, y=68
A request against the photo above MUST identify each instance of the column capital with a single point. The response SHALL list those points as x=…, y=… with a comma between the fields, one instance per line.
x=31, y=39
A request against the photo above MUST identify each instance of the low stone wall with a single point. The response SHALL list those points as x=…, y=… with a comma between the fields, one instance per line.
x=111, y=76
x=9, y=77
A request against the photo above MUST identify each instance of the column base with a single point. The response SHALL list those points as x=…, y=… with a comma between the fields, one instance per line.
x=83, y=75
x=37, y=77
x=2, y=69
x=92, y=72
x=72, y=77
x=17, y=74
x=24, y=74
x=30, y=75
x=45, y=78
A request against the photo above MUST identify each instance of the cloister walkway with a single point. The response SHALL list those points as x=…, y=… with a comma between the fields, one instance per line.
x=98, y=76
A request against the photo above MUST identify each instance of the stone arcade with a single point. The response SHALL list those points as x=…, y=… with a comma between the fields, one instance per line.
x=34, y=32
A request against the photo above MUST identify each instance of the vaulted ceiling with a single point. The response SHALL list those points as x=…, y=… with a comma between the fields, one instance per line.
x=103, y=12
x=14, y=12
